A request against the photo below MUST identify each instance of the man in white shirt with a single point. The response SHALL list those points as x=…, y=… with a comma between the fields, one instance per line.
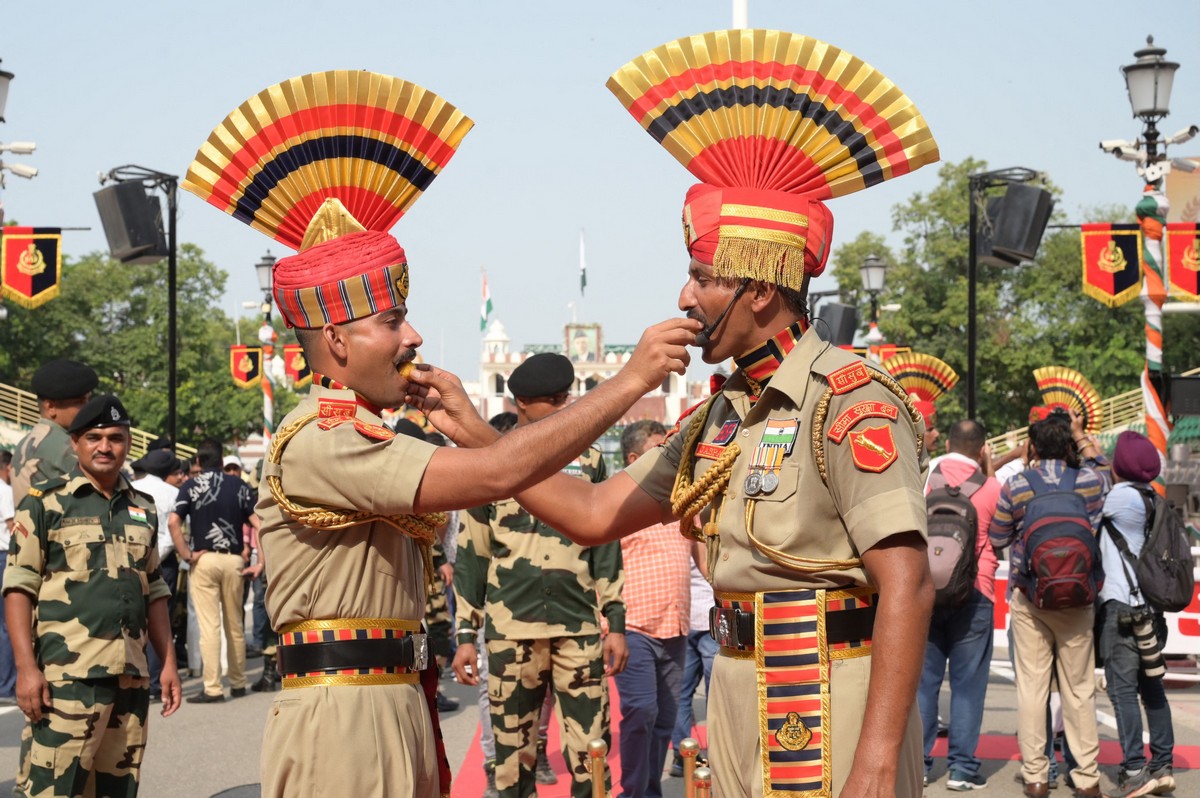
x=158, y=466
x=8, y=671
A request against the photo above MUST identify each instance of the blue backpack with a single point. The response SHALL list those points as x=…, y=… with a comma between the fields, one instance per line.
x=1062, y=559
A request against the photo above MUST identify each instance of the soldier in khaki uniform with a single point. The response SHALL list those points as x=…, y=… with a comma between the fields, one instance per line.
x=805, y=469
x=61, y=387
x=83, y=592
x=542, y=596
x=349, y=510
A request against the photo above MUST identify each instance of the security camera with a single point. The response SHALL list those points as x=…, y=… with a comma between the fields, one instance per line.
x=1113, y=145
x=19, y=147
x=1185, y=135
x=1137, y=156
x=1185, y=165
x=21, y=170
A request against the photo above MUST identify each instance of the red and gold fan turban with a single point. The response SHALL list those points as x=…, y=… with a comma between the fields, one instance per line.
x=924, y=377
x=773, y=123
x=1065, y=388
x=326, y=163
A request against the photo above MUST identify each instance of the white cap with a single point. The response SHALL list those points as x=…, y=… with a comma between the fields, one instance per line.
x=231, y=459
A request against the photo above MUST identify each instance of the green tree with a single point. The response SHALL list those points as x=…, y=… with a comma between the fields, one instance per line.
x=113, y=316
x=1028, y=316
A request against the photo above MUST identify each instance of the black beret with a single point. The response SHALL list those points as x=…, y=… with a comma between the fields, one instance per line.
x=103, y=411
x=405, y=426
x=63, y=379
x=160, y=443
x=159, y=462
x=544, y=374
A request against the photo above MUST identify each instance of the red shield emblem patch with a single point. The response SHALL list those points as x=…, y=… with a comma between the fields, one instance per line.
x=873, y=448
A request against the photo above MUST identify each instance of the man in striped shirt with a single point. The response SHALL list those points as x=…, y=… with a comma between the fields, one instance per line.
x=657, y=598
x=1047, y=638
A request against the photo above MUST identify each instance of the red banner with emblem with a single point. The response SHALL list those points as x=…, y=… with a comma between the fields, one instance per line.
x=1182, y=253
x=295, y=365
x=30, y=264
x=245, y=363
x=1112, y=262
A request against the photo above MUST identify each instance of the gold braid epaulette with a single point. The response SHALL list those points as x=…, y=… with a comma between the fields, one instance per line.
x=421, y=527
x=818, y=424
x=689, y=498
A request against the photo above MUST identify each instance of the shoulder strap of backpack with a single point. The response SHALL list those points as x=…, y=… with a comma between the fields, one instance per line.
x=1126, y=555
x=1067, y=482
x=973, y=483
x=1036, y=483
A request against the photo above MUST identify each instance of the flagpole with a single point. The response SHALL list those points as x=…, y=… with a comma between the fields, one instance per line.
x=582, y=274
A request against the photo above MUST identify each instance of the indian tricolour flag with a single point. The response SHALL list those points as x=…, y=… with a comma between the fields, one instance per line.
x=485, y=309
x=781, y=431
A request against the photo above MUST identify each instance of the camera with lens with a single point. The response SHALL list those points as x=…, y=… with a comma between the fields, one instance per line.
x=1140, y=624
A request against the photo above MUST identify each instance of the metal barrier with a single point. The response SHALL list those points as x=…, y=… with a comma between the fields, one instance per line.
x=598, y=766
x=20, y=407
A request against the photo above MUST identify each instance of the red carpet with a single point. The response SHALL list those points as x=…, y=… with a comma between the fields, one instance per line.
x=1004, y=747
x=469, y=781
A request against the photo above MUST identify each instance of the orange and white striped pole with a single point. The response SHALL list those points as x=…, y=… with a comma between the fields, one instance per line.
x=1152, y=217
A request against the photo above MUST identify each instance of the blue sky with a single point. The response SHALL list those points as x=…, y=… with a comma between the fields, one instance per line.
x=98, y=85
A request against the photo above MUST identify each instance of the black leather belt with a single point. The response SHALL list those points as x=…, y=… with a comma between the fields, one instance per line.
x=409, y=652
x=735, y=628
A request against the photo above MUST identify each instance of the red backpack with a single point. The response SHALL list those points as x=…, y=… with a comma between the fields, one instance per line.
x=1062, y=559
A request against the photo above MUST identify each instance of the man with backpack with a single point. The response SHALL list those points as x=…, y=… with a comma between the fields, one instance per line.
x=1127, y=607
x=1049, y=515
x=961, y=498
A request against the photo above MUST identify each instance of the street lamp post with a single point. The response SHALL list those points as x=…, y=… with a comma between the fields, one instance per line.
x=15, y=147
x=873, y=272
x=267, y=337
x=1148, y=81
x=169, y=184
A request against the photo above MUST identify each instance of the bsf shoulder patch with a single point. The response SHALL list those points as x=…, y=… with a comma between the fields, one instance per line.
x=848, y=418
x=847, y=378
x=873, y=448
x=376, y=432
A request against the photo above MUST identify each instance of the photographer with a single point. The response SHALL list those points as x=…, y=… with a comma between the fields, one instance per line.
x=1125, y=617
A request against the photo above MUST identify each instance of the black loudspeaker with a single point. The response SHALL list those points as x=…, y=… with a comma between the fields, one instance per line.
x=132, y=221
x=837, y=323
x=1024, y=214
x=986, y=232
x=1185, y=395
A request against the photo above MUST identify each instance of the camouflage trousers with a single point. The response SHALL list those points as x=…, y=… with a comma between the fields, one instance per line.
x=519, y=671
x=90, y=742
x=438, y=622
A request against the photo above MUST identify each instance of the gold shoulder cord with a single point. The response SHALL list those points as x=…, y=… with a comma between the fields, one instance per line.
x=689, y=498
x=422, y=528
x=807, y=564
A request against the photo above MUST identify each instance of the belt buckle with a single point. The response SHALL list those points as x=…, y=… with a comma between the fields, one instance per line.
x=420, y=649
x=724, y=626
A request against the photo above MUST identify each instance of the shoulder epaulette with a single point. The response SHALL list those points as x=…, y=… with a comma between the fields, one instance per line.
x=35, y=492
x=46, y=485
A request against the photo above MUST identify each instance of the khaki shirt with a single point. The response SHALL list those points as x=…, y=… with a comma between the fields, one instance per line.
x=369, y=570
x=91, y=566
x=45, y=453
x=829, y=524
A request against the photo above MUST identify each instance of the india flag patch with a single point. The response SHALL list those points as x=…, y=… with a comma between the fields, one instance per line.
x=138, y=514
x=781, y=432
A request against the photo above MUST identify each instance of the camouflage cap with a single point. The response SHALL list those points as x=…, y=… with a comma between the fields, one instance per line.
x=64, y=379
x=102, y=411
x=543, y=374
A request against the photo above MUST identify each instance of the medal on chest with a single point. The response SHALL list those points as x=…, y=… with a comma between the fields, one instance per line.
x=778, y=438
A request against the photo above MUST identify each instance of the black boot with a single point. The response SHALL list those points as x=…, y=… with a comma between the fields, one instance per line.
x=269, y=681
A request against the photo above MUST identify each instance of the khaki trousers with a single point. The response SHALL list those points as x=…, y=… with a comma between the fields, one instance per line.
x=359, y=742
x=1062, y=640
x=735, y=747
x=216, y=586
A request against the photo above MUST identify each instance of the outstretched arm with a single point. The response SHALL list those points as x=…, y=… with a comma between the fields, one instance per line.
x=508, y=465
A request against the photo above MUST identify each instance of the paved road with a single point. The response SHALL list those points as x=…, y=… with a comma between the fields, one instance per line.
x=213, y=750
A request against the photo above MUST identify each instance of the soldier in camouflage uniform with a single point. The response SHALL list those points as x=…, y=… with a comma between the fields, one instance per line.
x=61, y=387
x=542, y=596
x=84, y=591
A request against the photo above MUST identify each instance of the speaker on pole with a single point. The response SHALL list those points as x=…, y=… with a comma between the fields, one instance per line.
x=132, y=221
x=837, y=323
x=984, y=250
x=1024, y=214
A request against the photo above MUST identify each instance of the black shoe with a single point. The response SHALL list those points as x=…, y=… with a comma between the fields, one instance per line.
x=205, y=698
x=543, y=773
x=676, y=771
x=237, y=692
x=252, y=652
x=445, y=703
